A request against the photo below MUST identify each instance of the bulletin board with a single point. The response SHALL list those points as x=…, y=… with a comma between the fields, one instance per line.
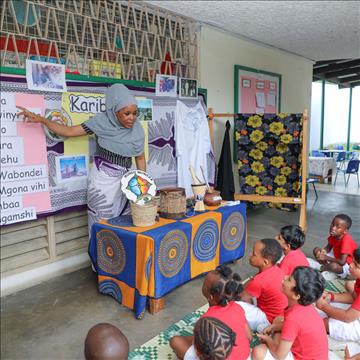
x=58, y=190
x=256, y=91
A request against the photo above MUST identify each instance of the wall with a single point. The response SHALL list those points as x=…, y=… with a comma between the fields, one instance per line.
x=220, y=51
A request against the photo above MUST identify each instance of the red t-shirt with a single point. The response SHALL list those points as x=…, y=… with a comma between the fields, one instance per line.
x=293, y=259
x=356, y=304
x=346, y=245
x=266, y=287
x=233, y=316
x=305, y=328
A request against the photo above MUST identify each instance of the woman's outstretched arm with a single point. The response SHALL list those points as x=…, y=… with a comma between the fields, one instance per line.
x=59, y=129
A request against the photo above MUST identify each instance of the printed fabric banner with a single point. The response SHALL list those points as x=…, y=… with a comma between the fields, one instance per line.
x=268, y=153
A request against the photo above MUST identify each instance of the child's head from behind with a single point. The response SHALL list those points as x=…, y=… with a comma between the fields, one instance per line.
x=291, y=237
x=266, y=253
x=106, y=342
x=221, y=286
x=304, y=286
x=213, y=340
x=354, y=267
x=340, y=224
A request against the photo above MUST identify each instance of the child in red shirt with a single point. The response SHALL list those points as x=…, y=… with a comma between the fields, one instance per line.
x=303, y=335
x=221, y=287
x=265, y=286
x=291, y=239
x=343, y=311
x=213, y=339
x=342, y=246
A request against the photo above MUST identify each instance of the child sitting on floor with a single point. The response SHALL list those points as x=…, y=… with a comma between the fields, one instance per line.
x=303, y=334
x=265, y=286
x=291, y=239
x=343, y=311
x=106, y=342
x=213, y=339
x=220, y=288
x=336, y=256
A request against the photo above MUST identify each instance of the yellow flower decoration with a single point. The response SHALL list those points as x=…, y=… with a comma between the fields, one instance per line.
x=240, y=164
x=256, y=154
x=286, y=138
x=285, y=170
x=280, y=191
x=256, y=136
x=261, y=190
x=237, y=136
x=280, y=180
x=254, y=121
x=252, y=180
x=257, y=167
x=282, y=115
x=262, y=145
x=281, y=148
x=296, y=186
x=276, y=128
x=277, y=161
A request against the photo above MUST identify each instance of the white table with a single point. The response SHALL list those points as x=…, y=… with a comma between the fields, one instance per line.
x=323, y=167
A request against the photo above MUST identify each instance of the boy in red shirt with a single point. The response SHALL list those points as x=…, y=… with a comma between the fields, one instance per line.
x=221, y=287
x=342, y=311
x=291, y=239
x=265, y=286
x=336, y=256
x=303, y=335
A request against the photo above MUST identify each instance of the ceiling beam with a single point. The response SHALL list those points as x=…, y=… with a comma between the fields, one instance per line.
x=333, y=74
x=349, y=85
x=336, y=66
x=327, y=62
x=349, y=79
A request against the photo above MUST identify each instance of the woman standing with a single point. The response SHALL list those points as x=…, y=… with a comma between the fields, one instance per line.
x=119, y=137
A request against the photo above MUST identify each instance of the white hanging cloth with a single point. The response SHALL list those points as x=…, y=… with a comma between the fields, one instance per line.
x=192, y=143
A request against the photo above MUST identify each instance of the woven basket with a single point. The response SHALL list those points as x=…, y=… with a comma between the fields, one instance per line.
x=172, y=203
x=144, y=215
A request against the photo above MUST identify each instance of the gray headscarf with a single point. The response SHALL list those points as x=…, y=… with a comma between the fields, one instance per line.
x=111, y=135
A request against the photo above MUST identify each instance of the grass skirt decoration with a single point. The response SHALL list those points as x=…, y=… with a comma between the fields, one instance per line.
x=268, y=154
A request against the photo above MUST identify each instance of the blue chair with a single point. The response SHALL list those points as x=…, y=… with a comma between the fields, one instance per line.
x=313, y=182
x=339, y=147
x=352, y=168
x=316, y=153
x=340, y=160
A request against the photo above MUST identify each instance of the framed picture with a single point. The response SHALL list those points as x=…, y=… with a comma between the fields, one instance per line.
x=144, y=108
x=272, y=85
x=246, y=83
x=166, y=85
x=45, y=76
x=188, y=88
x=260, y=85
x=71, y=168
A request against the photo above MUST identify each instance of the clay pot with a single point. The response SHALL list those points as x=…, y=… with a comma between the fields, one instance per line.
x=212, y=198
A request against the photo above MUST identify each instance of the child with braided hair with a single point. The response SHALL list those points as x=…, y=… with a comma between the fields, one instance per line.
x=213, y=339
x=221, y=288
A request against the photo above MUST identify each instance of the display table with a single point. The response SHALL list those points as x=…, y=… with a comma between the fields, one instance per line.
x=324, y=167
x=137, y=263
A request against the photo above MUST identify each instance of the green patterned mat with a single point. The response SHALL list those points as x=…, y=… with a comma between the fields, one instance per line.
x=158, y=347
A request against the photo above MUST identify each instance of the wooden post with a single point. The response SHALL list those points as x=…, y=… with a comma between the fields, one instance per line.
x=304, y=157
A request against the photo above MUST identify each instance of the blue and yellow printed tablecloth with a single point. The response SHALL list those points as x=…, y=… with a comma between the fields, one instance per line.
x=134, y=263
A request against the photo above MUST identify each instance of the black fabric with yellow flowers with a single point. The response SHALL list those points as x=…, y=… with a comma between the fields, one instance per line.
x=268, y=154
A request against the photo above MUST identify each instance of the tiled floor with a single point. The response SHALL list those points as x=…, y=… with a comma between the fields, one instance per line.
x=50, y=321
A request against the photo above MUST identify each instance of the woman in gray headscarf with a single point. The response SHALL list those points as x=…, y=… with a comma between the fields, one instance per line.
x=119, y=137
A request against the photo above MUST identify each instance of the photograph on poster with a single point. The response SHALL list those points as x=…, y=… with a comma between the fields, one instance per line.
x=246, y=83
x=259, y=84
x=166, y=85
x=44, y=76
x=144, y=108
x=272, y=85
x=70, y=168
x=188, y=88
